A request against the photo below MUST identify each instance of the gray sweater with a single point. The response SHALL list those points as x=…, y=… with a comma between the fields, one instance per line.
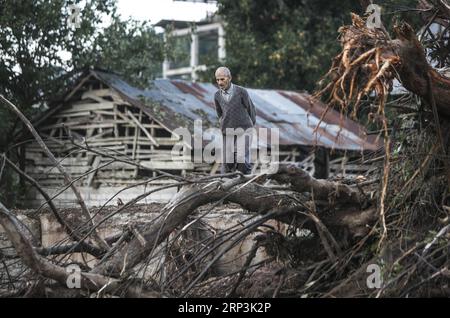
x=239, y=112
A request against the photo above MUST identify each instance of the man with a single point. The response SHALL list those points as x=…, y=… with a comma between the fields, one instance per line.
x=235, y=110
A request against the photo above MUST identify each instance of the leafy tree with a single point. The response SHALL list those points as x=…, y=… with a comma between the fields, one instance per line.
x=128, y=47
x=40, y=50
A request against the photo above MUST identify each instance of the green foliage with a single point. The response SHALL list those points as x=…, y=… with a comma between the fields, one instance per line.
x=129, y=47
x=40, y=51
x=34, y=33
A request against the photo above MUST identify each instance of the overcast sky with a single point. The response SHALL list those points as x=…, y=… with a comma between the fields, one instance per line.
x=155, y=10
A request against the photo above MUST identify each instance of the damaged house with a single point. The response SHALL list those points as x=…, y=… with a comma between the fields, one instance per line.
x=109, y=135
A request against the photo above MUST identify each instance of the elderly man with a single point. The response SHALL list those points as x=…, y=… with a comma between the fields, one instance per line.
x=235, y=110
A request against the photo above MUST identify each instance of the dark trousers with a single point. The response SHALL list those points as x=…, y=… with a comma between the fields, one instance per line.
x=236, y=154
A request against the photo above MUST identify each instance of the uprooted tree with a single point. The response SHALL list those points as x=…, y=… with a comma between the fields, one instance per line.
x=397, y=220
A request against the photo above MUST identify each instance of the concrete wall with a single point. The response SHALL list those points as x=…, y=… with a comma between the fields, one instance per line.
x=98, y=196
x=46, y=229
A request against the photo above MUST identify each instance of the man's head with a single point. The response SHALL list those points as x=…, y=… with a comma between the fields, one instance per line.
x=223, y=77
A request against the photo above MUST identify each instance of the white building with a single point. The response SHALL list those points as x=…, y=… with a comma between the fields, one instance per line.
x=202, y=41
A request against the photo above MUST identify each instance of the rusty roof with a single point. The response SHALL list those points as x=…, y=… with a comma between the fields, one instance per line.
x=177, y=103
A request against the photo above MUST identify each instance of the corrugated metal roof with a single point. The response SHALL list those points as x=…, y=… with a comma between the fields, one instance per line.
x=177, y=103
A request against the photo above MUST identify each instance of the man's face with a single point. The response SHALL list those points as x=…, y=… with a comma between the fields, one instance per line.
x=222, y=80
